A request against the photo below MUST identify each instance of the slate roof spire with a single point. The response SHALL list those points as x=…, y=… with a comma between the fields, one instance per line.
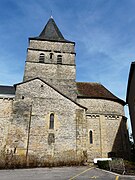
x=51, y=32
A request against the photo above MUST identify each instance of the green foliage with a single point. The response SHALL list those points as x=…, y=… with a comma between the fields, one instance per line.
x=117, y=165
x=129, y=167
x=103, y=165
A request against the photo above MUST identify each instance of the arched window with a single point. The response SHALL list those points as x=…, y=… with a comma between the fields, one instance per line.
x=41, y=57
x=51, y=55
x=51, y=126
x=59, y=59
x=91, y=137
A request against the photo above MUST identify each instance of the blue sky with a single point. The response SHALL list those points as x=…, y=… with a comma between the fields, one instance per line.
x=104, y=32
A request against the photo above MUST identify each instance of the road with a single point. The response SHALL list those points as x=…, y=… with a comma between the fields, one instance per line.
x=61, y=173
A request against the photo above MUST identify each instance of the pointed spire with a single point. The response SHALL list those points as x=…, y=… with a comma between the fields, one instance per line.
x=51, y=15
x=51, y=33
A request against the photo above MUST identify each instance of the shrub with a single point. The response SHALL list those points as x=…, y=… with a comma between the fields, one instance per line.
x=103, y=165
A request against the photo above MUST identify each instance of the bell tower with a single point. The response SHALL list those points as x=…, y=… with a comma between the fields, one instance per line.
x=51, y=58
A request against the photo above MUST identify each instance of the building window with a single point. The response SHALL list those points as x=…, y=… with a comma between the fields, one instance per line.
x=42, y=58
x=51, y=126
x=59, y=59
x=51, y=55
x=22, y=97
x=91, y=137
x=14, y=150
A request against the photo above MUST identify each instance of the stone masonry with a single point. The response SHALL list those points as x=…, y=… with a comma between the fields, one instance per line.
x=62, y=75
x=53, y=119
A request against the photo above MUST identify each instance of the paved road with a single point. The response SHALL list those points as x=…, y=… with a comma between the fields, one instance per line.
x=63, y=173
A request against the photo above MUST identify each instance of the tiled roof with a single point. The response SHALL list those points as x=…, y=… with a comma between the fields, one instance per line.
x=51, y=33
x=7, y=90
x=95, y=90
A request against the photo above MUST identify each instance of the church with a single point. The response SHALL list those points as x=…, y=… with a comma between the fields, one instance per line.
x=51, y=118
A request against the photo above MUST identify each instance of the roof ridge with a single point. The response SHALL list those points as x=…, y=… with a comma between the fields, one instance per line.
x=110, y=91
x=96, y=90
x=7, y=89
x=6, y=86
x=90, y=82
x=52, y=88
x=51, y=32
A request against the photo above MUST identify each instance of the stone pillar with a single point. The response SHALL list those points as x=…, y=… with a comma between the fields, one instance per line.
x=103, y=142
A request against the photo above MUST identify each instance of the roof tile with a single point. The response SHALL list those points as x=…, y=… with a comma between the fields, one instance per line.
x=95, y=90
x=7, y=90
x=51, y=33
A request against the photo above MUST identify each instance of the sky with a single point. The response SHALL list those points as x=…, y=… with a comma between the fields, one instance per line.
x=103, y=30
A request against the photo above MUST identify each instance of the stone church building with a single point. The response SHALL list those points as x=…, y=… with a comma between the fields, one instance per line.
x=53, y=118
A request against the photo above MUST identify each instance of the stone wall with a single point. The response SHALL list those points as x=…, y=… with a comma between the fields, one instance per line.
x=68, y=57
x=110, y=136
x=106, y=121
x=30, y=133
x=5, y=120
x=102, y=106
x=62, y=75
x=49, y=88
x=94, y=149
x=118, y=139
x=52, y=46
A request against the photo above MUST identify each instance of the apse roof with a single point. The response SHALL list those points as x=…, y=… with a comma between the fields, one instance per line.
x=95, y=90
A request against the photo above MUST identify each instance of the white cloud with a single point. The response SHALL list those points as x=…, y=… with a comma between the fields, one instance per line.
x=103, y=32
